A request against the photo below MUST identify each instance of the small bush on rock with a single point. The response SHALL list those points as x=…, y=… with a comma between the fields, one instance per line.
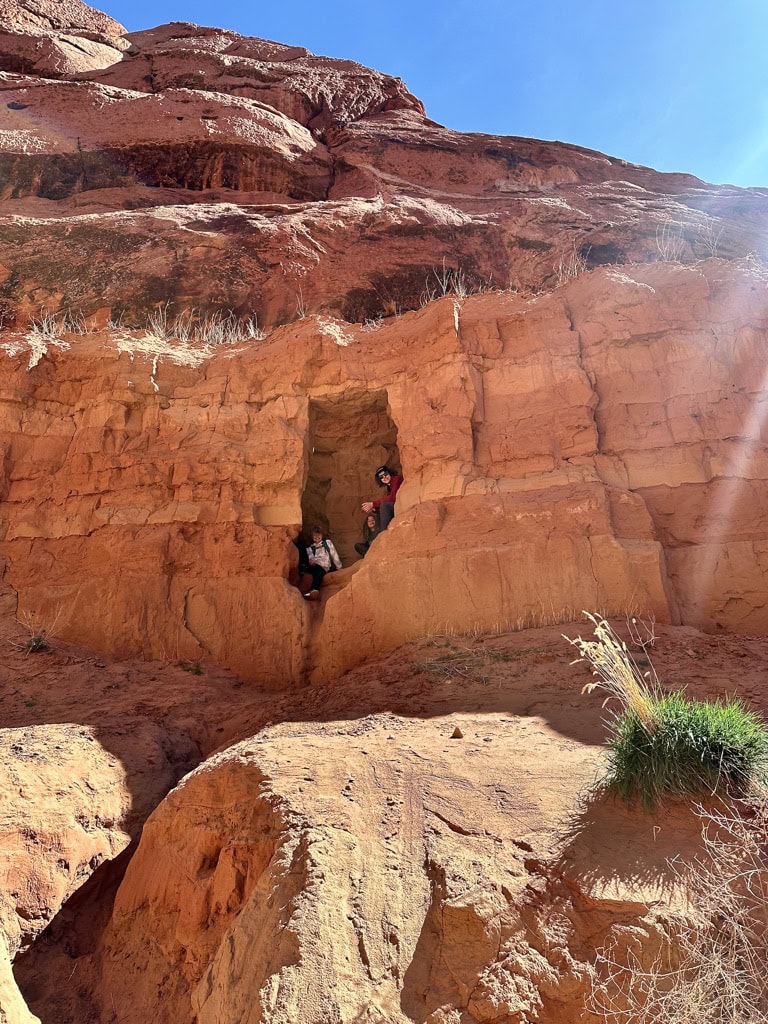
x=665, y=742
x=691, y=747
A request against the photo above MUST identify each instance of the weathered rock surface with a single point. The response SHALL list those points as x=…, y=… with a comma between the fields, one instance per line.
x=35, y=17
x=278, y=178
x=564, y=354
x=57, y=38
x=598, y=447
x=77, y=787
x=353, y=861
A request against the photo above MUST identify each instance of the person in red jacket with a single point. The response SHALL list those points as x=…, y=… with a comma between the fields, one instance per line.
x=385, y=506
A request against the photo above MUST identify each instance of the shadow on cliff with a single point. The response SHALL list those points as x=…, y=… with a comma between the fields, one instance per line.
x=54, y=971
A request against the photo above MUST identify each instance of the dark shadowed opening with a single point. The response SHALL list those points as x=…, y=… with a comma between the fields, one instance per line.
x=349, y=437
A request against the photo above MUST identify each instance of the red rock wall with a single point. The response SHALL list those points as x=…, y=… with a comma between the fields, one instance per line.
x=560, y=453
x=199, y=168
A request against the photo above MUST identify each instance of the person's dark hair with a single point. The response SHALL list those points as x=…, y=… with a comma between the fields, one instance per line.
x=379, y=473
x=317, y=529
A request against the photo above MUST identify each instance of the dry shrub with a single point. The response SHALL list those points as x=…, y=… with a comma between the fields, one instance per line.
x=670, y=242
x=34, y=632
x=663, y=742
x=712, y=966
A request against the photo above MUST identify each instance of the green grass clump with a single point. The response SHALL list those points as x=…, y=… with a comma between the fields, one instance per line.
x=664, y=742
x=689, y=747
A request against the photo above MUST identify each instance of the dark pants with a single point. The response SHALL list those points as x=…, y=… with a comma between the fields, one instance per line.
x=362, y=548
x=386, y=514
x=317, y=572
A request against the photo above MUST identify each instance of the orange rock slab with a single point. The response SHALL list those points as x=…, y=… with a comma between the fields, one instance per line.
x=600, y=447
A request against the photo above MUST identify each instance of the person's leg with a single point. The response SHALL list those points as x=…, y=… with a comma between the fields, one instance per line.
x=386, y=514
x=362, y=548
x=317, y=578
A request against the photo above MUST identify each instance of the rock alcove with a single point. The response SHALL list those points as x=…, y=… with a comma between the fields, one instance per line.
x=349, y=436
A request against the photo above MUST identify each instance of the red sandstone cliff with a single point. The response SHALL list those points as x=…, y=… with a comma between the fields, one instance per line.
x=565, y=354
x=600, y=446
x=197, y=167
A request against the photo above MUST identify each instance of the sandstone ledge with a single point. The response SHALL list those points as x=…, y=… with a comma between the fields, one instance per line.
x=165, y=493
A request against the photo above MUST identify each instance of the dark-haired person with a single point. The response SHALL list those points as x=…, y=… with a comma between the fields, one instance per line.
x=385, y=506
x=323, y=558
x=370, y=529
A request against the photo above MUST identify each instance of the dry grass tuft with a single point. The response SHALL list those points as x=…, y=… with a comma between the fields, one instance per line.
x=662, y=742
x=217, y=328
x=670, y=243
x=570, y=264
x=616, y=669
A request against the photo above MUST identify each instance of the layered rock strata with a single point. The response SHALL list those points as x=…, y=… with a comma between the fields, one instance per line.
x=599, y=447
x=564, y=353
x=197, y=167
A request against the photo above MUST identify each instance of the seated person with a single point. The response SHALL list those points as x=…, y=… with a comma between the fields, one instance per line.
x=300, y=576
x=385, y=506
x=370, y=529
x=322, y=558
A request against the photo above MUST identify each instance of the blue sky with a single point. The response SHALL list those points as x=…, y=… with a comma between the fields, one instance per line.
x=679, y=85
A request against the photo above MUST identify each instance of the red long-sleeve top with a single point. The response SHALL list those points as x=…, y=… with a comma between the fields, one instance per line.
x=394, y=487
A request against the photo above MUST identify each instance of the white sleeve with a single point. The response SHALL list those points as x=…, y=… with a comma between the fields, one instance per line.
x=334, y=554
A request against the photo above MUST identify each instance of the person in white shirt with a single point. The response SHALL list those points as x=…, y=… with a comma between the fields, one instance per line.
x=323, y=558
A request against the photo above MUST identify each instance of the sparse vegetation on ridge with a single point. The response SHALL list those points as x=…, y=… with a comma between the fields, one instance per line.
x=190, y=325
x=570, y=264
x=48, y=326
x=670, y=243
x=446, y=280
x=217, y=328
x=666, y=743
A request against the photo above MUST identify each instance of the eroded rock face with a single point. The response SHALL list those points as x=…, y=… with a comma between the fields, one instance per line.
x=269, y=910
x=38, y=16
x=57, y=39
x=600, y=447
x=409, y=844
x=74, y=798
x=186, y=141
x=279, y=179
